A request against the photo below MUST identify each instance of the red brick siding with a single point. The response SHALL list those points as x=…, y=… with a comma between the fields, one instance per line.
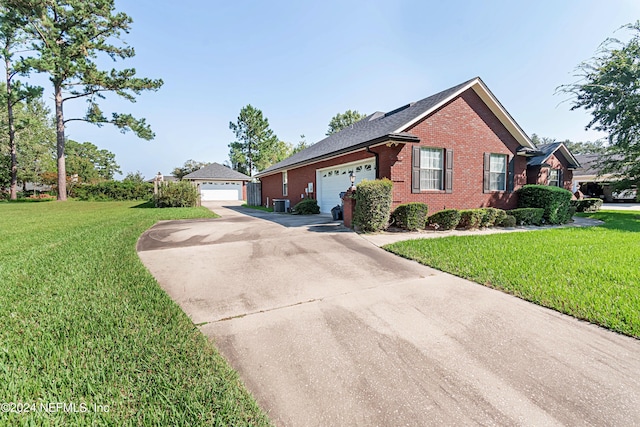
x=465, y=125
x=470, y=129
x=299, y=178
x=539, y=175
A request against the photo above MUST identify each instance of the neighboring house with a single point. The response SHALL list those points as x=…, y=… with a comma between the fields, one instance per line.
x=218, y=182
x=459, y=149
x=554, y=166
x=590, y=180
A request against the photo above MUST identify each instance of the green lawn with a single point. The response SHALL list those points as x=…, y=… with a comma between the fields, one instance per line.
x=590, y=273
x=82, y=322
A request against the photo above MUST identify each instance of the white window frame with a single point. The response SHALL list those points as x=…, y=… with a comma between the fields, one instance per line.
x=494, y=173
x=285, y=183
x=554, y=182
x=425, y=170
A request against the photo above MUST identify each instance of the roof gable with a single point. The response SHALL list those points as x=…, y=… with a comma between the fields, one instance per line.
x=547, y=150
x=394, y=124
x=217, y=171
x=490, y=101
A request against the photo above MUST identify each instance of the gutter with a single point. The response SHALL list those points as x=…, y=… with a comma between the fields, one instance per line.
x=377, y=156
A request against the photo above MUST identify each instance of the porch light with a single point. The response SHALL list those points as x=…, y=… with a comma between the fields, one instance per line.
x=352, y=178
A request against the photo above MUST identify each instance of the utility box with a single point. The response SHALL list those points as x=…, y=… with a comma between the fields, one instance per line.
x=281, y=205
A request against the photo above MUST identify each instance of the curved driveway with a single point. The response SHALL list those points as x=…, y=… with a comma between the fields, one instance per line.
x=327, y=329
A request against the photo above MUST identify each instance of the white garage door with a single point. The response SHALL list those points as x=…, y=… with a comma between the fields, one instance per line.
x=222, y=190
x=334, y=181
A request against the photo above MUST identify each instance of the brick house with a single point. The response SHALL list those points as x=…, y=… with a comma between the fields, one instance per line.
x=553, y=166
x=458, y=149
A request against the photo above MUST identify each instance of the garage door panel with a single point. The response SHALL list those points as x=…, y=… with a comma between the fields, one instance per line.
x=336, y=180
x=220, y=191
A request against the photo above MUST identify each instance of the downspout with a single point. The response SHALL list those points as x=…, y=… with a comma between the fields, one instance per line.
x=377, y=155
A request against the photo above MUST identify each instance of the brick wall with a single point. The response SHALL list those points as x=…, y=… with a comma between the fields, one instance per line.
x=299, y=178
x=540, y=175
x=470, y=129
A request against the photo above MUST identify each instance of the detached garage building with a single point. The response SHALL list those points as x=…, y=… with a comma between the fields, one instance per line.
x=219, y=183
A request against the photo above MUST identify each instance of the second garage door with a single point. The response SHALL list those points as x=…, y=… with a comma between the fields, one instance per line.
x=220, y=191
x=333, y=181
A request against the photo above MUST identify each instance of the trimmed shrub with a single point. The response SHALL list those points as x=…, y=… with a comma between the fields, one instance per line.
x=182, y=194
x=470, y=218
x=587, y=205
x=410, y=216
x=113, y=190
x=555, y=201
x=373, y=204
x=507, y=221
x=490, y=216
x=307, y=207
x=527, y=216
x=500, y=217
x=447, y=219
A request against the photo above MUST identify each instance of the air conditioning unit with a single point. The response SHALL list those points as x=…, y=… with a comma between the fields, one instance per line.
x=281, y=205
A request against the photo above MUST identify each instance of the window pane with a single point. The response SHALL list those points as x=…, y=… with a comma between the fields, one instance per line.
x=498, y=163
x=431, y=161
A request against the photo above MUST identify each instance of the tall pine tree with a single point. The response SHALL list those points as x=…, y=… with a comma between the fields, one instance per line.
x=256, y=146
x=68, y=36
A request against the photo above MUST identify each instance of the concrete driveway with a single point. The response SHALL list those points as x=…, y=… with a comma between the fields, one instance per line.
x=327, y=329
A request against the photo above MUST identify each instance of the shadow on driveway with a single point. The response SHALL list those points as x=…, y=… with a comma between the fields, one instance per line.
x=320, y=223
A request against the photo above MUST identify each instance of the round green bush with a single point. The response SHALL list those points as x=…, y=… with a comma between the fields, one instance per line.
x=307, y=207
x=447, y=219
x=410, y=216
x=507, y=221
x=489, y=217
x=471, y=218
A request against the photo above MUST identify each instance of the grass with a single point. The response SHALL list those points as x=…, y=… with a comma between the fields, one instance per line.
x=83, y=322
x=259, y=208
x=590, y=273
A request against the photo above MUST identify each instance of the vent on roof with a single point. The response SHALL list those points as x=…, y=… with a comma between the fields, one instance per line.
x=376, y=115
x=397, y=110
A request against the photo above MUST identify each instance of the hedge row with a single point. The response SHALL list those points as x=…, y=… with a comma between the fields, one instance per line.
x=181, y=194
x=537, y=204
x=113, y=190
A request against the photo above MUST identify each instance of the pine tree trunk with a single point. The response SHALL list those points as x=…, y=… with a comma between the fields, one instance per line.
x=62, y=169
x=12, y=136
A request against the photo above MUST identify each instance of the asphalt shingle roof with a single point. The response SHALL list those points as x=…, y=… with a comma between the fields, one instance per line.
x=589, y=164
x=217, y=171
x=372, y=127
x=547, y=150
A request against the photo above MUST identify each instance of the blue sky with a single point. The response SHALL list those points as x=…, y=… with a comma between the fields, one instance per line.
x=302, y=62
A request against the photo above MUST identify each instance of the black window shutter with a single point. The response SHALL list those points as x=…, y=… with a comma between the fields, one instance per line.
x=415, y=170
x=511, y=170
x=487, y=173
x=448, y=177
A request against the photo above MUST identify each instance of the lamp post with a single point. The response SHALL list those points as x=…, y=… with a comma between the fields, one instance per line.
x=352, y=178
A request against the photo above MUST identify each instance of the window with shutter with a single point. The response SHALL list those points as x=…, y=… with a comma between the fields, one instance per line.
x=495, y=172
